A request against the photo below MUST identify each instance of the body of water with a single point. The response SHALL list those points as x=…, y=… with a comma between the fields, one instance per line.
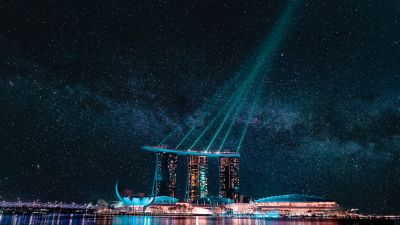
x=77, y=219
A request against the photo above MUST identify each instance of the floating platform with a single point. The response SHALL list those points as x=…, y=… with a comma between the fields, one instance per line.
x=192, y=152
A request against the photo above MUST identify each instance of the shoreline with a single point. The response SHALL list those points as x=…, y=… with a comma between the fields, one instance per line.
x=183, y=215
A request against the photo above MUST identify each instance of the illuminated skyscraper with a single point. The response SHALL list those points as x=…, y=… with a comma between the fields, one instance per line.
x=197, y=177
x=167, y=164
x=229, y=178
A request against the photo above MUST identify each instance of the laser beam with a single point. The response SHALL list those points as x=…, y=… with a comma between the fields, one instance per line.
x=185, y=137
x=166, y=138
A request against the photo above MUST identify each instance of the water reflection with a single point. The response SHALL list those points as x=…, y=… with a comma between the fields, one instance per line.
x=78, y=219
x=53, y=219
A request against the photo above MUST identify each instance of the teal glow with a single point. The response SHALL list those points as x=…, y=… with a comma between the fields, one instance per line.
x=213, y=200
x=257, y=74
x=185, y=137
x=246, y=126
x=241, y=94
x=250, y=116
x=238, y=109
x=264, y=60
x=166, y=138
x=230, y=128
x=227, y=115
x=212, y=121
x=203, y=181
x=272, y=45
x=135, y=201
x=117, y=193
x=214, y=104
x=165, y=200
x=273, y=214
x=293, y=198
x=251, y=76
x=195, y=153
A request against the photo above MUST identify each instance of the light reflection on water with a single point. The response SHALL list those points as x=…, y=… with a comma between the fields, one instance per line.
x=71, y=219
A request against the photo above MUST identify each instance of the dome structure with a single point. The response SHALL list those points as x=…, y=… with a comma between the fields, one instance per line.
x=293, y=198
x=145, y=201
x=134, y=201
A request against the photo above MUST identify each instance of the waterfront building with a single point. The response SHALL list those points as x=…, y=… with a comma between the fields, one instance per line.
x=166, y=182
x=289, y=205
x=229, y=178
x=213, y=201
x=197, y=177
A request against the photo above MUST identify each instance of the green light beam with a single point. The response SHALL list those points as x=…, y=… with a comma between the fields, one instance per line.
x=253, y=74
x=230, y=128
x=185, y=137
x=215, y=101
x=232, y=98
x=228, y=114
x=165, y=139
x=224, y=91
x=243, y=90
x=246, y=126
x=271, y=46
x=221, y=125
x=208, y=126
x=250, y=114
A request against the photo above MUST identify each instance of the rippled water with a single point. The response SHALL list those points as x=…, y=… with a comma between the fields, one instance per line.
x=71, y=219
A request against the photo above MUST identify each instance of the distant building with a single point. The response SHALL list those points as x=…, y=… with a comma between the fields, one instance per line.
x=213, y=200
x=167, y=163
x=290, y=205
x=229, y=178
x=198, y=166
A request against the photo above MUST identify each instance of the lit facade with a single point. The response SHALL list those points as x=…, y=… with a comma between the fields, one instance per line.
x=167, y=164
x=290, y=205
x=229, y=178
x=197, y=168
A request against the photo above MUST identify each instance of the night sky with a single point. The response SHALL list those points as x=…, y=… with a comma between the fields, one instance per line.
x=84, y=84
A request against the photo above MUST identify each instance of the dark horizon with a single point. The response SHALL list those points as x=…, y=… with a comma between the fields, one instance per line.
x=83, y=85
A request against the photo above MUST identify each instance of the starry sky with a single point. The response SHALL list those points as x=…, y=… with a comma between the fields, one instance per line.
x=84, y=84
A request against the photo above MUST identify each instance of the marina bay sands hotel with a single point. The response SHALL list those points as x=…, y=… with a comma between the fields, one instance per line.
x=197, y=173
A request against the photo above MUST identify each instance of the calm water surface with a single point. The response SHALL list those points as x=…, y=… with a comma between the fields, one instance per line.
x=71, y=219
